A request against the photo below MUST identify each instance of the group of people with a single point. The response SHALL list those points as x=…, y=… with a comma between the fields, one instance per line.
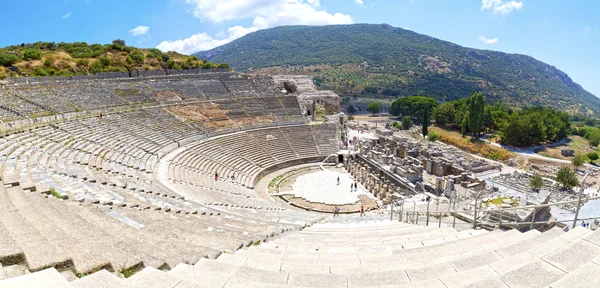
x=353, y=187
x=336, y=211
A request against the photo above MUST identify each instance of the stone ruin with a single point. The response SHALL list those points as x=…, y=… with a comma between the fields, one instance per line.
x=407, y=159
x=566, y=152
x=308, y=95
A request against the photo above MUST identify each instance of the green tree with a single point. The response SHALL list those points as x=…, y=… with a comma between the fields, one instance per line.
x=578, y=160
x=412, y=106
x=32, y=54
x=8, y=59
x=567, y=178
x=445, y=113
x=407, y=123
x=425, y=121
x=476, y=113
x=223, y=66
x=536, y=183
x=374, y=107
x=593, y=156
x=593, y=136
x=119, y=42
x=433, y=136
x=351, y=109
x=488, y=118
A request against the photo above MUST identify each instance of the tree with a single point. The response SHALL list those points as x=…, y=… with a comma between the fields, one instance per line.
x=374, y=107
x=567, y=178
x=536, y=183
x=488, y=118
x=476, y=113
x=433, y=136
x=32, y=54
x=593, y=156
x=290, y=87
x=445, y=113
x=412, y=106
x=578, y=160
x=118, y=42
x=407, y=123
x=425, y=121
x=351, y=109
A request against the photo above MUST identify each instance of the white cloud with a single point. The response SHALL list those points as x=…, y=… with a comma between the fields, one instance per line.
x=263, y=13
x=501, y=6
x=360, y=2
x=66, y=15
x=486, y=40
x=139, y=30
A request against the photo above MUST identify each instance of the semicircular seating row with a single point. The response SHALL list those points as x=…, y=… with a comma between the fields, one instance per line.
x=113, y=212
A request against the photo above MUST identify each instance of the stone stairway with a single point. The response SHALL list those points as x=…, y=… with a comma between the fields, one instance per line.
x=352, y=251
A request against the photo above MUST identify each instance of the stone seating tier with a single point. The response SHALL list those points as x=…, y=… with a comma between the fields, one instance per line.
x=353, y=252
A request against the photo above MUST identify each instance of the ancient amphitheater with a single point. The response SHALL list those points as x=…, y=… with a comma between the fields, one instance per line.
x=109, y=181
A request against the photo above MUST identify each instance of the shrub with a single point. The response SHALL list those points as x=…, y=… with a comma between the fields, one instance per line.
x=137, y=56
x=350, y=117
x=593, y=156
x=223, y=65
x=433, y=136
x=104, y=61
x=83, y=63
x=578, y=160
x=32, y=54
x=8, y=59
x=406, y=122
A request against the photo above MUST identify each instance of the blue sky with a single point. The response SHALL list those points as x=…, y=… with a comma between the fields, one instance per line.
x=565, y=34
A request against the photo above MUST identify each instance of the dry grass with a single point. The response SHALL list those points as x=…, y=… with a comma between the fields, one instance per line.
x=471, y=145
x=579, y=144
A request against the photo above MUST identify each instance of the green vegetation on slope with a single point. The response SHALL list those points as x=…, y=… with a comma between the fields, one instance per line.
x=80, y=58
x=382, y=61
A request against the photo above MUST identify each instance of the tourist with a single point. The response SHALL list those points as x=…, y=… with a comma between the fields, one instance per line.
x=338, y=181
x=362, y=211
x=351, y=187
x=355, y=186
x=336, y=211
x=216, y=176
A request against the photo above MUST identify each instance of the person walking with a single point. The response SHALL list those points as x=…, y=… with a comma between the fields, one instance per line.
x=336, y=211
x=362, y=211
x=338, y=180
x=216, y=176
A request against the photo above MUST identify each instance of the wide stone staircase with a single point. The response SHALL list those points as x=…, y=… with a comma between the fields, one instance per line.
x=353, y=251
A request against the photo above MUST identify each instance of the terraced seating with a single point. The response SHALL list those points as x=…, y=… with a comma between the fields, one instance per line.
x=351, y=252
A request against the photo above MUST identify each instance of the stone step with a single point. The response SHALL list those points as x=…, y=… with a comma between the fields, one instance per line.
x=41, y=279
x=100, y=279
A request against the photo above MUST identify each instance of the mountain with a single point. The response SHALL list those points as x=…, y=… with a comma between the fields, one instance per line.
x=380, y=61
x=80, y=58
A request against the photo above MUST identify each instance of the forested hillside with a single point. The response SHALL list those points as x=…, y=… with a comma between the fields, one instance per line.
x=380, y=61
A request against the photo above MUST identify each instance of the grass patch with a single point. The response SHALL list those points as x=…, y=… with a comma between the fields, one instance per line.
x=255, y=243
x=472, y=145
x=54, y=193
x=127, y=272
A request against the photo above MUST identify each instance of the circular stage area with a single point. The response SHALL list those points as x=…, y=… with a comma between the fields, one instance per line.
x=322, y=187
x=316, y=188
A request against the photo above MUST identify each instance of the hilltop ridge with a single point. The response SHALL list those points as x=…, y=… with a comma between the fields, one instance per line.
x=80, y=58
x=381, y=61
